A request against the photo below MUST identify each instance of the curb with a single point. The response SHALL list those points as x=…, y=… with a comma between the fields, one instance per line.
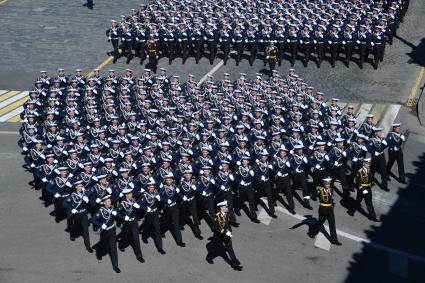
x=420, y=107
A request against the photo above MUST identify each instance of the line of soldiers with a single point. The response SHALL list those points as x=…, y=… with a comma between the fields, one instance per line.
x=123, y=149
x=200, y=28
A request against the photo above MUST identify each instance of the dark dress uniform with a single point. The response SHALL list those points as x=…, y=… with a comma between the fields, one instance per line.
x=306, y=39
x=395, y=153
x=364, y=191
x=152, y=50
x=319, y=41
x=114, y=35
x=326, y=212
x=246, y=191
x=127, y=213
x=104, y=219
x=379, y=164
x=77, y=205
x=263, y=173
x=272, y=56
x=223, y=236
x=281, y=168
x=251, y=37
x=168, y=195
x=225, y=39
x=188, y=205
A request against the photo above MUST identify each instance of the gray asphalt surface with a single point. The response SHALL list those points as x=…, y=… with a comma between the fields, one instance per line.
x=46, y=34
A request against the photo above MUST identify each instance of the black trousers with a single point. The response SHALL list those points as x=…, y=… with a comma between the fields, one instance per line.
x=212, y=48
x=188, y=208
x=280, y=52
x=239, y=47
x=171, y=213
x=325, y=213
x=272, y=64
x=380, y=165
x=283, y=185
x=197, y=50
x=209, y=203
x=320, y=49
x=362, y=52
x=377, y=49
x=130, y=235
x=339, y=173
x=299, y=180
x=153, y=60
x=265, y=188
x=151, y=220
x=225, y=47
x=170, y=50
x=140, y=51
x=334, y=53
x=247, y=193
x=115, y=51
x=127, y=49
x=253, y=49
x=108, y=244
x=394, y=156
x=368, y=201
x=348, y=52
x=293, y=47
x=307, y=52
x=80, y=221
x=220, y=240
x=184, y=50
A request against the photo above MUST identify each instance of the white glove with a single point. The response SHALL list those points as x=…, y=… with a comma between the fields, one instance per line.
x=184, y=198
x=263, y=178
x=169, y=201
x=32, y=165
x=114, y=213
x=355, y=159
x=103, y=226
x=310, y=147
x=57, y=195
x=158, y=197
x=44, y=180
x=177, y=190
x=229, y=234
x=85, y=199
x=73, y=211
x=317, y=166
x=329, y=144
x=243, y=183
x=376, y=153
x=204, y=193
x=193, y=187
x=279, y=174
x=364, y=148
x=251, y=173
x=395, y=148
x=358, y=41
x=344, y=154
x=68, y=184
x=403, y=138
x=336, y=163
x=384, y=142
x=223, y=187
x=238, y=163
x=136, y=205
x=126, y=218
x=231, y=177
x=149, y=209
x=212, y=181
x=365, y=192
x=270, y=166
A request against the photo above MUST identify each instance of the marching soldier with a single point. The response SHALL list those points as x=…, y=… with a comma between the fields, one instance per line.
x=152, y=50
x=251, y=40
x=127, y=212
x=263, y=173
x=298, y=163
x=376, y=147
x=239, y=42
x=377, y=41
x=395, y=152
x=104, y=219
x=282, y=170
x=347, y=42
x=326, y=211
x=306, y=41
x=114, y=35
x=364, y=183
x=334, y=42
x=272, y=55
x=223, y=235
x=244, y=176
x=224, y=40
x=362, y=40
x=293, y=43
x=320, y=41
x=211, y=37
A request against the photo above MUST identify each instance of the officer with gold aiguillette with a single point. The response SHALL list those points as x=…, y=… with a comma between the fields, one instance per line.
x=271, y=55
x=363, y=183
x=326, y=211
x=223, y=235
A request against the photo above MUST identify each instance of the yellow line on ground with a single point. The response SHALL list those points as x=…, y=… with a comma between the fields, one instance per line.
x=411, y=101
x=377, y=111
x=17, y=118
x=8, y=95
x=13, y=106
x=3, y=2
x=101, y=65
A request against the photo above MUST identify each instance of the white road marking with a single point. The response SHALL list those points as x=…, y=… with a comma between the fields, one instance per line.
x=3, y=92
x=322, y=242
x=389, y=117
x=8, y=133
x=13, y=99
x=384, y=248
x=11, y=114
x=212, y=71
x=264, y=217
x=362, y=113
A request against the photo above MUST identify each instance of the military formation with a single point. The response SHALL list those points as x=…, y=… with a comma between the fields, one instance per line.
x=152, y=153
x=329, y=29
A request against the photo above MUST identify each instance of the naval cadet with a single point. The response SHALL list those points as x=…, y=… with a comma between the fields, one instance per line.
x=395, y=152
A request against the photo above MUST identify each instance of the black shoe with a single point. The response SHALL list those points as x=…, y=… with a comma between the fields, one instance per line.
x=199, y=236
x=209, y=260
x=350, y=212
x=141, y=259
x=255, y=220
x=311, y=235
x=181, y=244
x=374, y=219
x=403, y=181
x=273, y=215
x=292, y=211
x=161, y=251
x=385, y=188
x=238, y=212
x=121, y=249
x=90, y=250
x=336, y=243
x=72, y=238
x=163, y=235
x=308, y=207
x=98, y=257
x=145, y=240
x=117, y=269
x=235, y=224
